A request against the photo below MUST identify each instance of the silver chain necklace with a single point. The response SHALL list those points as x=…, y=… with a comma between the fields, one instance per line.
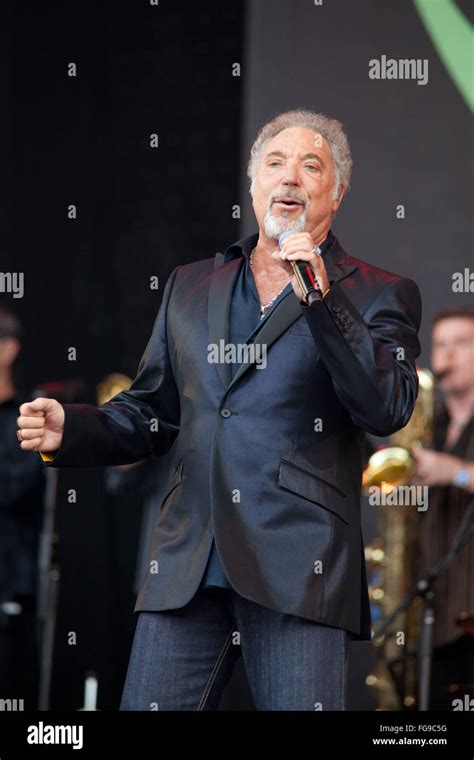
x=265, y=306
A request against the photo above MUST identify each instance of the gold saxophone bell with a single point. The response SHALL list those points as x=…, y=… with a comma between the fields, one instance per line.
x=111, y=385
x=394, y=465
x=391, y=556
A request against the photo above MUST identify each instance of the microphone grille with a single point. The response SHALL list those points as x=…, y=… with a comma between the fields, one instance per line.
x=282, y=237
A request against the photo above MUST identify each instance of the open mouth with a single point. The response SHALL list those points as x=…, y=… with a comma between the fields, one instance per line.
x=287, y=203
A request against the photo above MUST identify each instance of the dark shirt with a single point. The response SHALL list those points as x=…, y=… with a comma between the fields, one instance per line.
x=244, y=322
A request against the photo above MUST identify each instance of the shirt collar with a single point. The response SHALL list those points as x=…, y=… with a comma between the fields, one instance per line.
x=244, y=246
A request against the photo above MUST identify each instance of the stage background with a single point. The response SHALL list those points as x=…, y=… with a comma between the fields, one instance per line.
x=411, y=144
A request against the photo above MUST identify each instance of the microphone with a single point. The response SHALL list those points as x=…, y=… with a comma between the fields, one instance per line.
x=442, y=373
x=303, y=272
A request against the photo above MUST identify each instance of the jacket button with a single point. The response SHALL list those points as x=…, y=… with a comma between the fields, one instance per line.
x=225, y=412
x=336, y=308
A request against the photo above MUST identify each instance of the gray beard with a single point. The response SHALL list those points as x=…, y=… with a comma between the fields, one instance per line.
x=274, y=225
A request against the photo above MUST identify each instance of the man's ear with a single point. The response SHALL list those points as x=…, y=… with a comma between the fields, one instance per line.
x=340, y=195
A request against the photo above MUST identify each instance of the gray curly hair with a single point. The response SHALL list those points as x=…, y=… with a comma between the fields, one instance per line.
x=330, y=129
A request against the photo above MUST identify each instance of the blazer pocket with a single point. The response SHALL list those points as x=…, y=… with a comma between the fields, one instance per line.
x=293, y=478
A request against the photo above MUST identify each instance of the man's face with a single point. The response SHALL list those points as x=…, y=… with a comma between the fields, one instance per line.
x=296, y=164
x=9, y=350
x=453, y=352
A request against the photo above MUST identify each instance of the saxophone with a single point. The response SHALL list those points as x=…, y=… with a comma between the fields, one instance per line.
x=111, y=385
x=391, y=557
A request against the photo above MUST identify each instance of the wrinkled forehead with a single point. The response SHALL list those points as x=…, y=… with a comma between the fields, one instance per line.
x=301, y=140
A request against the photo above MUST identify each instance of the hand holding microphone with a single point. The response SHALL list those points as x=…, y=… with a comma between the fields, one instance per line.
x=299, y=254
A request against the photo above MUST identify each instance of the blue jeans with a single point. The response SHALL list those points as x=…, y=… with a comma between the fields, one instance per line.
x=182, y=659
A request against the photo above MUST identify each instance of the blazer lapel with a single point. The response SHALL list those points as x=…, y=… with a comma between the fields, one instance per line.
x=218, y=310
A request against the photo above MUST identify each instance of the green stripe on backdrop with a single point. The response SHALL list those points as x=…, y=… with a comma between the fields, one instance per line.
x=452, y=34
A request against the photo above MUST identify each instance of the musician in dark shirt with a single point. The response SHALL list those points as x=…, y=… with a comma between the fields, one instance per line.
x=448, y=470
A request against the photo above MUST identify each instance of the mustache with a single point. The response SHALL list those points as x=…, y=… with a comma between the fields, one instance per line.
x=285, y=194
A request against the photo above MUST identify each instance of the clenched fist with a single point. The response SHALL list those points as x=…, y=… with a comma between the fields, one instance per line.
x=41, y=425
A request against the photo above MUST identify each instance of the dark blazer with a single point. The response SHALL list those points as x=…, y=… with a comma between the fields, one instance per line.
x=248, y=458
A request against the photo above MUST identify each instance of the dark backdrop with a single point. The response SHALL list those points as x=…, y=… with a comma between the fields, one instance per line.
x=411, y=144
x=141, y=211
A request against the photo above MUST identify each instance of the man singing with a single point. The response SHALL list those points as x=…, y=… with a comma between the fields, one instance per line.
x=257, y=550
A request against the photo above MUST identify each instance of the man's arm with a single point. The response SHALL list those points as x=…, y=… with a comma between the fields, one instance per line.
x=135, y=424
x=438, y=468
x=371, y=358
